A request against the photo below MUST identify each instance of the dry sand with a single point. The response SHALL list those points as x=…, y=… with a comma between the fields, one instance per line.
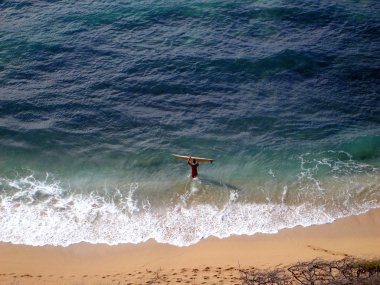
x=211, y=261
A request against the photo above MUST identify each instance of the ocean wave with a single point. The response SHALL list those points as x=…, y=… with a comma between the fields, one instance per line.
x=41, y=212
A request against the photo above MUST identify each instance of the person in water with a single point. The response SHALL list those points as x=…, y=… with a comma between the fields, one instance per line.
x=194, y=167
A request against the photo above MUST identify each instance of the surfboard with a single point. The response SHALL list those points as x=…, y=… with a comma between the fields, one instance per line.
x=186, y=157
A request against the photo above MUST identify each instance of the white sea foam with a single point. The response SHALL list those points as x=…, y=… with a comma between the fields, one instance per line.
x=61, y=219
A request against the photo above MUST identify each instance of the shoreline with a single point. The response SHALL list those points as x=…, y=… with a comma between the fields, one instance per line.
x=207, y=261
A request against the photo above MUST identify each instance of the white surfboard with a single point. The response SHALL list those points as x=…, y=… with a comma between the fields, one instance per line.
x=200, y=159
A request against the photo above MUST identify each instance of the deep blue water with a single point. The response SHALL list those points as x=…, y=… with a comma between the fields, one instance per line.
x=95, y=96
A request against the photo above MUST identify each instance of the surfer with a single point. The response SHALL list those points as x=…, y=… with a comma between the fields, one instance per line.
x=194, y=167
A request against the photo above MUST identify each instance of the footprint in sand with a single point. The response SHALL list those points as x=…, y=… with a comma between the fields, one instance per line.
x=26, y=275
x=320, y=249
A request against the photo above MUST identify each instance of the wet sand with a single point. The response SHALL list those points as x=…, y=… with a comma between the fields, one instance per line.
x=211, y=261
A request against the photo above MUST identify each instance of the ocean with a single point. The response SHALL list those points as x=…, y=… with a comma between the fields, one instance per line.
x=96, y=96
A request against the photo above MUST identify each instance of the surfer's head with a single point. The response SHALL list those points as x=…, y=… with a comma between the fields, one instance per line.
x=194, y=161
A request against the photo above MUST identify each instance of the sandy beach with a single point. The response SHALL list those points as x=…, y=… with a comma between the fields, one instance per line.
x=211, y=261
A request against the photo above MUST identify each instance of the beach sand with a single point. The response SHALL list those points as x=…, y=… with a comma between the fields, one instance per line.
x=211, y=261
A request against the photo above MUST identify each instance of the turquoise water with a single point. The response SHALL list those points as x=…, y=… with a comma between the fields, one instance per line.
x=95, y=96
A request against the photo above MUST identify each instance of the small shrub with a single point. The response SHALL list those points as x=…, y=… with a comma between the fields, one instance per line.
x=317, y=272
